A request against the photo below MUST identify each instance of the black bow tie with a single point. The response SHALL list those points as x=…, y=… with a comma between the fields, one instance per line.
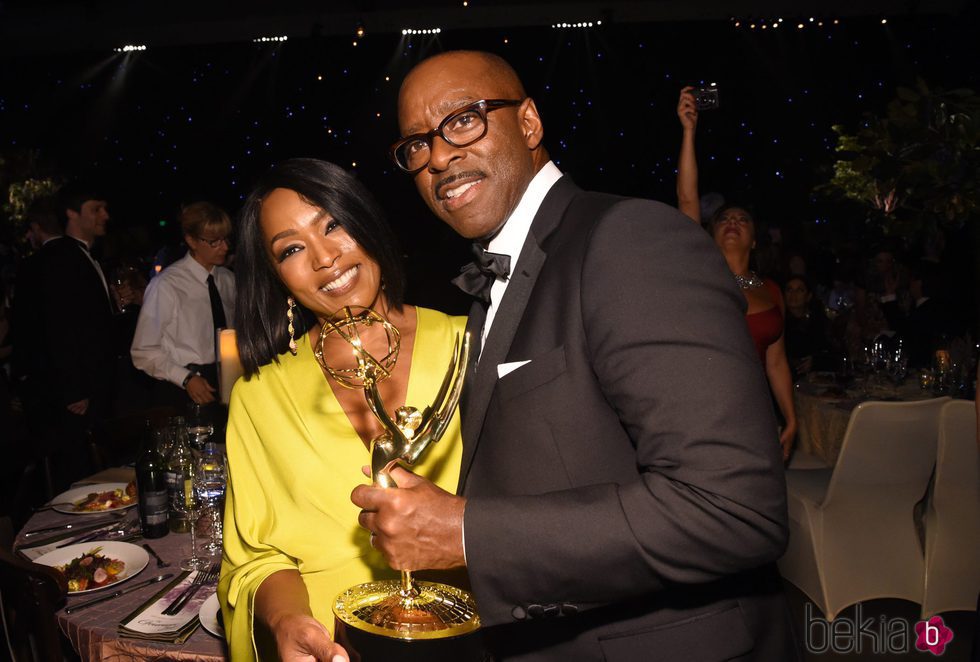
x=477, y=277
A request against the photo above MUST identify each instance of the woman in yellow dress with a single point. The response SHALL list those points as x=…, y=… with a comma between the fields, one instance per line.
x=312, y=240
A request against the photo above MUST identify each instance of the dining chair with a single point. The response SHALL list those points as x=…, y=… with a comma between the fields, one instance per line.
x=30, y=594
x=952, y=516
x=852, y=530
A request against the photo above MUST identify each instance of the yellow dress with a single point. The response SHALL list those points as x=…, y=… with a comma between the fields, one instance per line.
x=293, y=460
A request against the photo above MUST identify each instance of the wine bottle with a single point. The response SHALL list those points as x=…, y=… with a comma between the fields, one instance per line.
x=151, y=488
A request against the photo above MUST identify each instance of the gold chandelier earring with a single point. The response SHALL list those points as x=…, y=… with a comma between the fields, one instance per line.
x=290, y=305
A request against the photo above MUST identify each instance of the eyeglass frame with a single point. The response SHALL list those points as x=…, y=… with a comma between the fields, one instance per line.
x=213, y=243
x=483, y=107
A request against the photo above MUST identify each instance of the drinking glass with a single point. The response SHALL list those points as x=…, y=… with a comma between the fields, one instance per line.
x=200, y=426
x=123, y=277
x=186, y=500
x=210, y=479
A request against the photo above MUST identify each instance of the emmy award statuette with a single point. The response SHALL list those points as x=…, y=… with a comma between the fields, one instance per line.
x=405, y=610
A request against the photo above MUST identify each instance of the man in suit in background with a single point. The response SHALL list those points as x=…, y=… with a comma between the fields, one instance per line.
x=30, y=367
x=621, y=494
x=77, y=335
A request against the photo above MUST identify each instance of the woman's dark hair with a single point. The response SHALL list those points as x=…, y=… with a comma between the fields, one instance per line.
x=261, y=296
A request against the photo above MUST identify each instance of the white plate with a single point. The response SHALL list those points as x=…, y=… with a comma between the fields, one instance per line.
x=209, y=616
x=133, y=556
x=77, y=494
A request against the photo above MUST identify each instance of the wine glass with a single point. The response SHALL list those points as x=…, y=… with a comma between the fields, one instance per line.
x=210, y=479
x=200, y=427
x=123, y=278
x=186, y=500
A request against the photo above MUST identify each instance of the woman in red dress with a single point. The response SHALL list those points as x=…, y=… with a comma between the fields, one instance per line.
x=733, y=230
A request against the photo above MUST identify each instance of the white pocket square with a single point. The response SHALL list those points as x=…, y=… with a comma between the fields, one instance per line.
x=507, y=368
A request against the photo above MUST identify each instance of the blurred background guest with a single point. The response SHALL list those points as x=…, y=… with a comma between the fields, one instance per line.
x=75, y=338
x=932, y=323
x=183, y=307
x=733, y=230
x=806, y=328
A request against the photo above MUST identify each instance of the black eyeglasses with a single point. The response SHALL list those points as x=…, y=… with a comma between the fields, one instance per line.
x=460, y=128
x=213, y=243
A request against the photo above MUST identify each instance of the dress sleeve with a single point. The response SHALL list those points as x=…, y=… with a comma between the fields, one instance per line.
x=247, y=560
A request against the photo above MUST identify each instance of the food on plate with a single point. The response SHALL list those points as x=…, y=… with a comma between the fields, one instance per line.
x=91, y=570
x=111, y=500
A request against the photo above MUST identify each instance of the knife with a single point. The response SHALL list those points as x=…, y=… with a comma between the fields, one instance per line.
x=68, y=527
x=122, y=591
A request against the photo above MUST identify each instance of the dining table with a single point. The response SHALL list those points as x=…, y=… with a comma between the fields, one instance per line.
x=824, y=404
x=94, y=632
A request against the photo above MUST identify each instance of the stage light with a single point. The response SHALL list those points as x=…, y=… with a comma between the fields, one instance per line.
x=359, y=31
x=884, y=21
x=129, y=48
x=580, y=24
x=413, y=31
x=799, y=26
x=262, y=40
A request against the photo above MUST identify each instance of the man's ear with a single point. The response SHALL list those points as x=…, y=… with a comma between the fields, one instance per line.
x=531, y=124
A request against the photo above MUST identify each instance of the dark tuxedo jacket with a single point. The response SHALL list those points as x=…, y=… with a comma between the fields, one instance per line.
x=78, y=330
x=625, y=495
x=27, y=319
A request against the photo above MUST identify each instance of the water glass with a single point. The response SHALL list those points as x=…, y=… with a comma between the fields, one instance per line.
x=210, y=480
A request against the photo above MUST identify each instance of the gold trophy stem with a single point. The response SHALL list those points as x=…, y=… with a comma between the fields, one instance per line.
x=408, y=588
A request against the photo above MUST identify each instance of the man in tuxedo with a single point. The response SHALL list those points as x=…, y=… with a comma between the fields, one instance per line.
x=30, y=369
x=77, y=334
x=621, y=493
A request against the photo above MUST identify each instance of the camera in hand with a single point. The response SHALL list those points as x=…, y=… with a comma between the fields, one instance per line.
x=706, y=98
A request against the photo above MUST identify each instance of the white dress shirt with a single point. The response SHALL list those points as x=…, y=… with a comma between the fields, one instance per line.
x=175, y=326
x=510, y=239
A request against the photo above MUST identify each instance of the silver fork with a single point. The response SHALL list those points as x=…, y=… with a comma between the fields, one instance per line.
x=202, y=578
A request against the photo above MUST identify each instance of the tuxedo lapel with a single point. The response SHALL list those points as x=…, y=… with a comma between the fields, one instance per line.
x=483, y=375
x=474, y=329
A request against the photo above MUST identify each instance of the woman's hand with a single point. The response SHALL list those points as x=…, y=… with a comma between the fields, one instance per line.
x=786, y=438
x=302, y=638
x=687, y=109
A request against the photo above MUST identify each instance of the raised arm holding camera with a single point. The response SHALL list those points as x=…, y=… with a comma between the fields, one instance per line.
x=688, y=200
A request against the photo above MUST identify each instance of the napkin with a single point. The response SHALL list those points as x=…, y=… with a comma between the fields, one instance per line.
x=148, y=622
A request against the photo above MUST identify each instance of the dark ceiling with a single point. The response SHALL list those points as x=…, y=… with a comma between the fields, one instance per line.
x=53, y=26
